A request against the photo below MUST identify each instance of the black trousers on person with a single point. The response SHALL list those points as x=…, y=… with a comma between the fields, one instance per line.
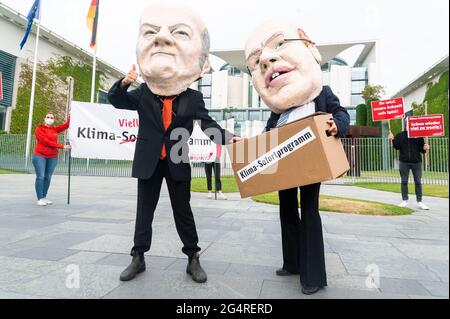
x=302, y=239
x=180, y=196
x=208, y=170
x=416, y=169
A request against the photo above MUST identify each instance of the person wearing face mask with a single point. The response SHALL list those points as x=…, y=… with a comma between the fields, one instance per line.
x=45, y=156
x=285, y=68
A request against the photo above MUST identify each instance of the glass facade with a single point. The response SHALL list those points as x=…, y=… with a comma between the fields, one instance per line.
x=352, y=112
x=7, y=69
x=336, y=61
x=359, y=73
x=360, y=79
x=232, y=71
x=357, y=99
x=102, y=97
x=2, y=118
x=204, y=86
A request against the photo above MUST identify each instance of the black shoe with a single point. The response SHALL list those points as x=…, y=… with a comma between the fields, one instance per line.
x=284, y=272
x=136, y=267
x=195, y=270
x=310, y=290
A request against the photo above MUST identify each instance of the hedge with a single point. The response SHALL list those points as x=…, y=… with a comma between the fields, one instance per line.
x=361, y=115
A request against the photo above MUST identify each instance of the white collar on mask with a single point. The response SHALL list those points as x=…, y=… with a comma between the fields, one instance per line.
x=297, y=113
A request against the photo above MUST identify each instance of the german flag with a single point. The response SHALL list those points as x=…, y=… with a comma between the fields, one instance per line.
x=92, y=21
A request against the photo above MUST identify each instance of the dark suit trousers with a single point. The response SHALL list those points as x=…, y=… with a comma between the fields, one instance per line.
x=208, y=170
x=302, y=239
x=180, y=196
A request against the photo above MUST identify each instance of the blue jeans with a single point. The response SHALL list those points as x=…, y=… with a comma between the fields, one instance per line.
x=44, y=167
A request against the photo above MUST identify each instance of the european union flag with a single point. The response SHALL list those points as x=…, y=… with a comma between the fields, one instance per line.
x=34, y=13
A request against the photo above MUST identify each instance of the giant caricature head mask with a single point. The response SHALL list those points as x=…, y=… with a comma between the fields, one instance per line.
x=172, y=49
x=284, y=65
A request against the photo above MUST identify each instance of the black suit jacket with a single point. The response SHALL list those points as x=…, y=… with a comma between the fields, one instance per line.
x=151, y=136
x=326, y=102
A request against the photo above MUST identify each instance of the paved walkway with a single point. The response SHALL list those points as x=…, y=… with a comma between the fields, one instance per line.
x=43, y=248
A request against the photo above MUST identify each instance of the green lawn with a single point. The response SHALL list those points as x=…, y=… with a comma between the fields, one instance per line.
x=395, y=173
x=327, y=203
x=2, y=171
x=345, y=205
x=229, y=185
x=428, y=190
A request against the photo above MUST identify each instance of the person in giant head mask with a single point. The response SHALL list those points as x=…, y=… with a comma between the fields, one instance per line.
x=285, y=68
x=45, y=156
x=172, y=53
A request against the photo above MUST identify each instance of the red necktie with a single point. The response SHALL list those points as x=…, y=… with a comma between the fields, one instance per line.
x=167, y=119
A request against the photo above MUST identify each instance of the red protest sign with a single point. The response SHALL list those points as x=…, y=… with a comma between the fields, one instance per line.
x=426, y=126
x=387, y=110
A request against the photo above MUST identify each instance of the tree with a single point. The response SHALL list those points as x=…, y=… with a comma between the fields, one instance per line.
x=372, y=92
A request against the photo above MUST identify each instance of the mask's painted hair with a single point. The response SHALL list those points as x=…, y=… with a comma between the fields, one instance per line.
x=206, y=45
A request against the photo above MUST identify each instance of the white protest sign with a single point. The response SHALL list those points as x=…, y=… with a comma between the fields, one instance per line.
x=201, y=148
x=99, y=131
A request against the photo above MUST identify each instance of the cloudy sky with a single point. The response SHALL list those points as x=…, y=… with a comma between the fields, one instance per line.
x=412, y=35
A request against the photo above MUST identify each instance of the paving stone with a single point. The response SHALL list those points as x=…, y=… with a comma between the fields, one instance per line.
x=240, y=241
x=402, y=286
x=210, y=267
x=439, y=289
x=84, y=257
x=179, y=285
x=45, y=253
x=94, y=282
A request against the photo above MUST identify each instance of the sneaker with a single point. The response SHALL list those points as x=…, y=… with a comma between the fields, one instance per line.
x=222, y=196
x=423, y=206
x=41, y=203
x=45, y=200
x=403, y=204
x=209, y=195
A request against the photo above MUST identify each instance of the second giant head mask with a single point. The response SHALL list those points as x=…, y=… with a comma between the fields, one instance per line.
x=172, y=48
x=284, y=65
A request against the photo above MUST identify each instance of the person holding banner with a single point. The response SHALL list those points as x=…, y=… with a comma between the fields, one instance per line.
x=411, y=150
x=45, y=157
x=285, y=68
x=209, y=167
x=172, y=53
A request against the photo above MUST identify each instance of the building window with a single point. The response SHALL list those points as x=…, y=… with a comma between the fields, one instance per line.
x=8, y=69
x=359, y=82
x=232, y=71
x=359, y=73
x=357, y=99
x=204, y=86
x=102, y=97
x=2, y=118
x=352, y=114
x=358, y=86
x=335, y=61
x=206, y=91
x=206, y=80
x=250, y=95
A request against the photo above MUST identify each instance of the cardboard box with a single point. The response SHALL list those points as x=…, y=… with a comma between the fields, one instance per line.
x=300, y=153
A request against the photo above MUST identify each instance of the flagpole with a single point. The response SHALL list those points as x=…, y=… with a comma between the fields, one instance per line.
x=94, y=69
x=33, y=89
